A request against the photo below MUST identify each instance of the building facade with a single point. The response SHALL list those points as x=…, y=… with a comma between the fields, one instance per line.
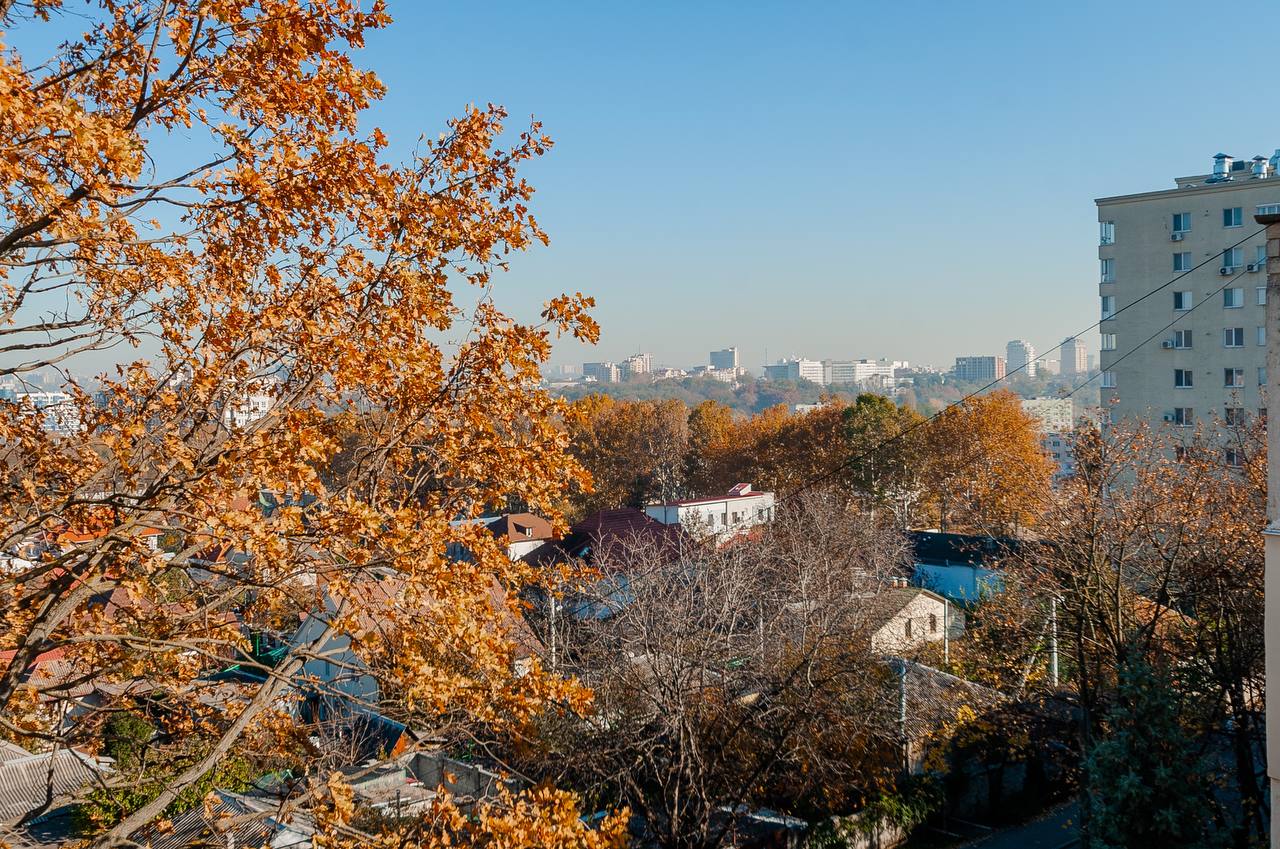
x=601, y=372
x=1205, y=361
x=795, y=369
x=725, y=359
x=1074, y=358
x=1054, y=415
x=979, y=369
x=1020, y=356
x=723, y=517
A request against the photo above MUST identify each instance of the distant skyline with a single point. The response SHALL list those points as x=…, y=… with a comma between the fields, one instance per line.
x=910, y=180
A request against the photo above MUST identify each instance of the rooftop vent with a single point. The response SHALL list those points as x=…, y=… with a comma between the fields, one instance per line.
x=1221, y=168
x=1261, y=168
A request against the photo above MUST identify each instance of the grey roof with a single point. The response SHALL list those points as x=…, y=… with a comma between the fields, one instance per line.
x=232, y=819
x=28, y=780
x=934, y=698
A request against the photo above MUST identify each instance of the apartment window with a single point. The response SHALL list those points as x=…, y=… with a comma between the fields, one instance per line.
x=1260, y=296
x=1262, y=334
x=1232, y=217
x=1180, y=453
x=1232, y=298
x=1108, y=270
x=1260, y=255
x=1108, y=342
x=1182, y=222
x=1262, y=375
x=1106, y=232
x=1108, y=306
x=1233, y=337
x=1183, y=300
x=1108, y=380
x=1182, y=338
x=1234, y=457
x=1233, y=377
x=1233, y=416
x=1182, y=261
x=1184, y=416
x=1182, y=378
x=1262, y=414
x=1232, y=258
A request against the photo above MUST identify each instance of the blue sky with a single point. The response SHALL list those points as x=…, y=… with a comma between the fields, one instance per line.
x=912, y=180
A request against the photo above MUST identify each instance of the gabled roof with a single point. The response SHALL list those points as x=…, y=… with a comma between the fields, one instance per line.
x=606, y=534
x=934, y=698
x=886, y=605
x=520, y=527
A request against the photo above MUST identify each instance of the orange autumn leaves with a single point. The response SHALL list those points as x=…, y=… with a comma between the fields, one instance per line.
x=274, y=251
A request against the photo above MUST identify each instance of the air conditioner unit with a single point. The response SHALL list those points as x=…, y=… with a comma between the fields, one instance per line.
x=1168, y=417
x=1254, y=266
x=1168, y=343
x=1225, y=270
x=1177, y=237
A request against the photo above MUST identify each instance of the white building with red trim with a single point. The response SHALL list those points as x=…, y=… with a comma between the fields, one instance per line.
x=741, y=509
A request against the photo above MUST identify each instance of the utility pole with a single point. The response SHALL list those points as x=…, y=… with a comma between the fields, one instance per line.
x=1053, y=641
x=1269, y=215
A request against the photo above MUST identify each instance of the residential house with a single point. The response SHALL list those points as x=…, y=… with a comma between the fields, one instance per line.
x=723, y=517
x=521, y=533
x=961, y=567
x=904, y=618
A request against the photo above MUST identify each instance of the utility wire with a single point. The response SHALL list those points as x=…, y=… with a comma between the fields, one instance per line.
x=930, y=419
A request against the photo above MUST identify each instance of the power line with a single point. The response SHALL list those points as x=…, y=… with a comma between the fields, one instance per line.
x=1008, y=374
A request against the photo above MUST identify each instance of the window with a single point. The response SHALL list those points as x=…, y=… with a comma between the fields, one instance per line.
x=1260, y=256
x=1108, y=306
x=1108, y=380
x=1233, y=337
x=1182, y=261
x=1262, y=414
x=1108, y=342
x=1260, y=295
x=1232, y=258
x=1180, y=453
x=933, y=623
x=1184, y=416
x=1182, y=338
x=1262, y=375
x=1233, y=416
x=1183, y=301
x=1232, y=299
x=1232, y=217
x=1182, y=222
x=1108, y=270
x=1233, y=377
x=1262, y=334
x=1182, y=378
x=1235, y=457
x=907, y=629
x=1106, y=232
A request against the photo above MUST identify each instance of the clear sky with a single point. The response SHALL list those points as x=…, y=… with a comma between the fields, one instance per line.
x=910, y=179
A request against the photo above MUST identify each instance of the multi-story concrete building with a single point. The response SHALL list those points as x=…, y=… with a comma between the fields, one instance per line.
x=725, y=359
x=636, y=364
x=1054, y=415
x=979, y=369
x=1074, y=356
x=1199, y=240
x=795, y=369
x=600, y=372
x=1020, y=356
x=860, y=372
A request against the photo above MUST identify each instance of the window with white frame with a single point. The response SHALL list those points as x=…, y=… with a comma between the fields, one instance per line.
x=1233, y=337
x=1262, y=375
x=1234, y=457
x=1108, y=342
x=1108, y=306
x=1260, y=296
x=1182, y=222
x=1262, y=334
x=1232, y=217
x=1184, y=416
x=1232, y=258
x=1260, y=255
x=1108, y=380
x=1182, y=338
x=1233, y=416
x=1183, y=300
x=1233, y=377
x=1183, y=378
x=1232, y=299
x=1182, y=261
x=1108, y=267
x=1106, y=232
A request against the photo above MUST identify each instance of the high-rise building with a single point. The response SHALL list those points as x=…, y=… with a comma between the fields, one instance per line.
x=1199, y=239
x=1020, y=356
x=795, y=369
x=600, y=372
x=725, y=359
x=1053, y=415
x=636, y=364
x=1074, y=357
x=860, y=372
x=979, y=369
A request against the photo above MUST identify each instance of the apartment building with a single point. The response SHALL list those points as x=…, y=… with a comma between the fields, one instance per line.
x=726, y=358
x=1052, y=415
x=1074, y=358
x=636, y=364
x=1209, y=364
x=859, y=372
x=795, y=369
x=979, y=369
x=1020, y=355
x=601, y=372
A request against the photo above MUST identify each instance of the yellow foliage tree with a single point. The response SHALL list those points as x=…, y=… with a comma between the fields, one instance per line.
x=284, y=260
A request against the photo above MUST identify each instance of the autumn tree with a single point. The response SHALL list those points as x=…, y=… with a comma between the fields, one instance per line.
x=886, y=463
x=187, y=188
